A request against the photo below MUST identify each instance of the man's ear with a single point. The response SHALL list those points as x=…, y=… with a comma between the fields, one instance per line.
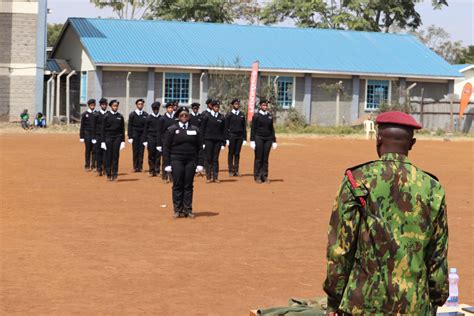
x=412, y=143
x=379, y=139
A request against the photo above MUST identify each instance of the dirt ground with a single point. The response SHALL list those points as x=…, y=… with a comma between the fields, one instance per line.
x=73, y=243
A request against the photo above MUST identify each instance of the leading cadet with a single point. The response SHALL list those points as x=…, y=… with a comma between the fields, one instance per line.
x=99, y=119
x=236, y=136
x=136, y=129
x=152, y=126
x=181, y=152
x=113, y=139
x=86, y=135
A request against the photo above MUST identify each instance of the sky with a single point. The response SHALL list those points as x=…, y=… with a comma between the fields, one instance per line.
x=457, y=19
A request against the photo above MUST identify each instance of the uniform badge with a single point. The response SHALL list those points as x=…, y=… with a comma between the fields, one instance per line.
x=177, y=132
x=270, y=117
x=87, y=115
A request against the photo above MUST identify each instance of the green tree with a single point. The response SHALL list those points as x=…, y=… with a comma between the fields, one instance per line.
x=222, y=11
x=53, y=33
x=437, y=39
x=466, y=56
x=367, y=15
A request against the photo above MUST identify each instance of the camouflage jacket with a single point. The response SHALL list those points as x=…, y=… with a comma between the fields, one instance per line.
x=390, y=257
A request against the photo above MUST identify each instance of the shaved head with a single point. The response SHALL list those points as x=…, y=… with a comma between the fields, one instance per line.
x=393, y=138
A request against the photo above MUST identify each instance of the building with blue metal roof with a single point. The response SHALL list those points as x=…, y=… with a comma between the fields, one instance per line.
x=164, y=60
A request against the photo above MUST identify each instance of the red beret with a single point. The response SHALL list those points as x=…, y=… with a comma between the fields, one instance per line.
x=399, y=118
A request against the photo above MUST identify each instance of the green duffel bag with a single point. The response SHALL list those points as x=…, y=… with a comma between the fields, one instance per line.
x=297, y=307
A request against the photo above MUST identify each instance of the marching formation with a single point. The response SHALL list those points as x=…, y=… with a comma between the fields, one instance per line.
x=180, y=142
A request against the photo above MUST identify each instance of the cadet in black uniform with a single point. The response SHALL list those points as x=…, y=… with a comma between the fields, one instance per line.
x=235, y=135
x=165, y=121
x=151, y=135
x=182, y=146
x=213, y=130
x=136, y=129
x=99, y=119
x=86, y=134
x=262, y=139
x=194, y=117
x=113, y=139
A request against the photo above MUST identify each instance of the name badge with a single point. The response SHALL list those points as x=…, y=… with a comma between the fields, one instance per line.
x=191, y=132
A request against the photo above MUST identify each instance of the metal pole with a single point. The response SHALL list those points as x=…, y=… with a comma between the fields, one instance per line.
x=451, y=115
x=51, y=103
x=408, y=93
x=68, y=104
x=48, y=98
x=127, y=96
x=58, y=92
x=422, y=106
x=337, y=107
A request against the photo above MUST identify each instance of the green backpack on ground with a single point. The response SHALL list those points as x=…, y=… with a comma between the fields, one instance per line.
x=297, y=307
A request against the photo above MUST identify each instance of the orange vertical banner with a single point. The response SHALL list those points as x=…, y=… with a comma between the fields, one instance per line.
x=252, y=91
x=465, y=97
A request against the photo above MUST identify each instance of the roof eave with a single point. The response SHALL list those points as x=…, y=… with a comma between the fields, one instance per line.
x=283, y=70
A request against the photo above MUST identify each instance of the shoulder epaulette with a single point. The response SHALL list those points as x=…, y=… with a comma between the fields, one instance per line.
x=431, y=175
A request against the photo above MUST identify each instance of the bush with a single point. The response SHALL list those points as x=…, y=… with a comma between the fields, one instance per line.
x=295, y=119
x=394, y=106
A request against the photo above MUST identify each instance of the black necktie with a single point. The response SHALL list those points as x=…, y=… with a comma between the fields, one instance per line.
x=184, y=126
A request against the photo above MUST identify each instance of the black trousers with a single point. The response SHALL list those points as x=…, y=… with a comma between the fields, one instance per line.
x=183, y=169
x=89, y=154
x=112, y=155
x=213, y=149
x=154, y=156
x=235, y=146
x=99, y=155
x=262, y=153
x=138, y=150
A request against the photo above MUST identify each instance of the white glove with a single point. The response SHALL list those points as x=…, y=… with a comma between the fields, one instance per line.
x=130, y=140
x=274, y=145
x=252, y=145
x=81, y=140
x=199, y=169
x=203, y=146
x=168, y=169
x=145, y=144
x=244, y=143
x=222, y=147
x=94, y=141
x=122, y=145
x=103, y=146
x=159, y=148
x=227, y=142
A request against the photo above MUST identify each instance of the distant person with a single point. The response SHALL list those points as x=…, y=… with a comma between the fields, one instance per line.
x=152, y=125
x=25, y=120
x=113, y=139
x=262, y=140
x=100, y=154
x=213, y=131
x=136, y=132
x=86, y=135
x=235, y=135
x=40, y=120
x=195, y=118
x=388, y=234
x=165, y=121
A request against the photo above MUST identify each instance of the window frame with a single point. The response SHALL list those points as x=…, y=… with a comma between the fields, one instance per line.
x=190, y=87
x=389, y=93
x=293, y=90
x=84, y=82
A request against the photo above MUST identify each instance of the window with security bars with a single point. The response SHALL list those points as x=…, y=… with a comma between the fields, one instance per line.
x=284, y=91
x=177, y=87
x=377, y=93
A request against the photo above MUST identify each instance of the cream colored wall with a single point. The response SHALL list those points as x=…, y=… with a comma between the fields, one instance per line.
x=71, y=49
x=459, y=83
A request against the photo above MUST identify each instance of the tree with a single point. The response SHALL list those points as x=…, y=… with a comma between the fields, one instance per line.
x=367, y=15
x=466, y=56
x=222, y=11
x=53, y=33
x=437, y=39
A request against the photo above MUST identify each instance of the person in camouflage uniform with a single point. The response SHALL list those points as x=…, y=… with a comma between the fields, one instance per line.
x=388, y=233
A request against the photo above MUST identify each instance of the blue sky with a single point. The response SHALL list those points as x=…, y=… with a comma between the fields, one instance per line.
x=457, y=19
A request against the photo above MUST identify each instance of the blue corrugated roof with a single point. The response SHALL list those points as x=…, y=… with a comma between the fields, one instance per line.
x=459, y=67
x=52, y=65
x=132, y=42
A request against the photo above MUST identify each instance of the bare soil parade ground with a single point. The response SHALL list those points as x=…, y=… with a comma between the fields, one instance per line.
x=72, y=242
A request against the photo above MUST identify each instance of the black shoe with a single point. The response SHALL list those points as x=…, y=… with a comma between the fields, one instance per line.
x=237, y=174
x=190, y=215
x=216, y=180
x=231, y=174
x=259, y=181
x=176, y=215
x=87, y=169
x=109, y=178
x=100, y=173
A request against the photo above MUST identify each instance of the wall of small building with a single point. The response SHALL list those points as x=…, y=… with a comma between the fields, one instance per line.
x=431, y=90
x=459, y=83
x=323, y=111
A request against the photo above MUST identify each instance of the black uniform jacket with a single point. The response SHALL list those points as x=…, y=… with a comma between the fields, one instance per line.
x=213, y=128
x=87, y=124
x=136, y=123
x=262, y=127
x=152, y=125
x=186, y=143
x=235, y=125
x=113, y=126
